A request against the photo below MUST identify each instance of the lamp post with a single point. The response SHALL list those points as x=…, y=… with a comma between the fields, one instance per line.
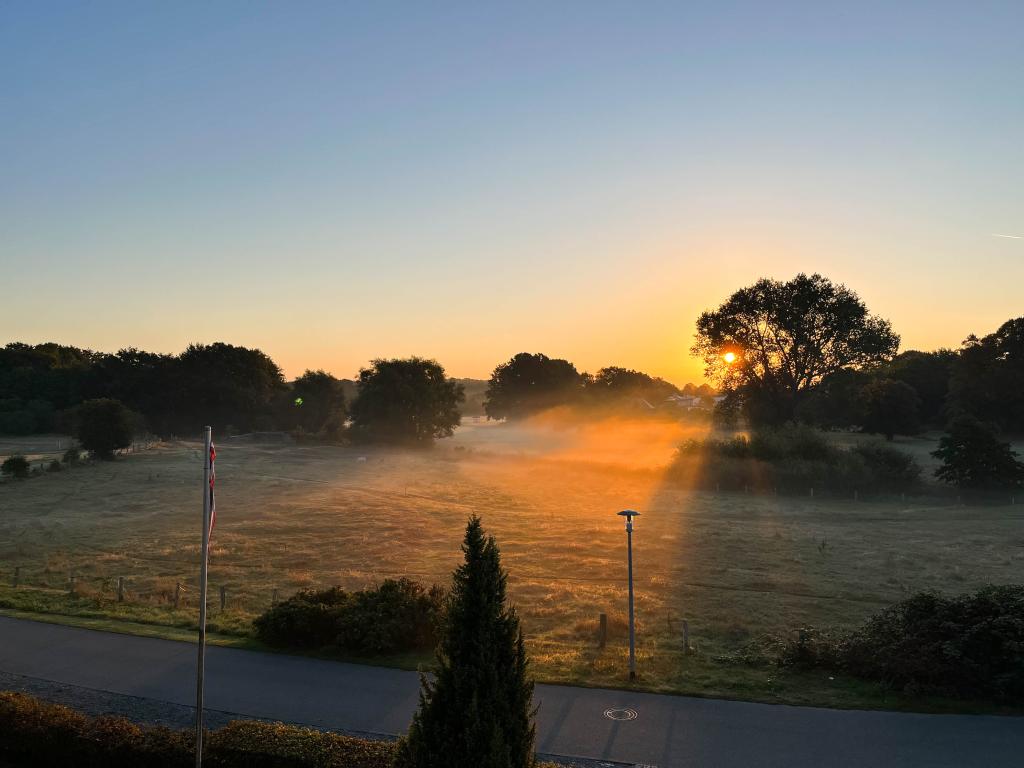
x=629, y=514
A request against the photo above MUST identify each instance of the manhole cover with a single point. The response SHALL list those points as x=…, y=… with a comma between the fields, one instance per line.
x=620, y=714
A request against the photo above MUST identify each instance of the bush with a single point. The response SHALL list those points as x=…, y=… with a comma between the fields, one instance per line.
x=103, y=425
x=72, y=456
x=38, y=733
x=54, y=466
x=15, y=466
x=969, y=646
x=793, y=460
x=973, y=457
x=399, y=615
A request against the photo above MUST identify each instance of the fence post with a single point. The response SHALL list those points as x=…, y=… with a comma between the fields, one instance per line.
x=177, y=595
x=17, y=574
x=120, y=589
x=71, y=584
x=223, y=597
x=602, y=632
x=812, y=491
x=686, y=637
x=273, y=598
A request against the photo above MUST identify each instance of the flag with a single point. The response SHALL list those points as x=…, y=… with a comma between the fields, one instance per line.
x=213, y=479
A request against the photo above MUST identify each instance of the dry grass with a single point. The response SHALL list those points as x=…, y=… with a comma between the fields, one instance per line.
x=734, y=565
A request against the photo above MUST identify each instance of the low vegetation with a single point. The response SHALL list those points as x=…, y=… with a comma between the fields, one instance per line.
x=795, y=460
x=398, y=615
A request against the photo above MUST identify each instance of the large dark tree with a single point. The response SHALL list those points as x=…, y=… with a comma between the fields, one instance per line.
x=102, y=426
x=988, y=377
x=929, y=374
x=773, y=341
x=973, y=457
x=405, y=401
x=316, y=403
x=527, y=384
x=223, y=385
x=477, y=712
x=890, y=408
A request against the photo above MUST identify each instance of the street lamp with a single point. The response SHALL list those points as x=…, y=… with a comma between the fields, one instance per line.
x=629, y=514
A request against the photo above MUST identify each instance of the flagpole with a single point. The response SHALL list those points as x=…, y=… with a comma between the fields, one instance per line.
x=205, y=554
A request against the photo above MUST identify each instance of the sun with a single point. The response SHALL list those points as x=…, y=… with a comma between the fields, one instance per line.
x=729, y=357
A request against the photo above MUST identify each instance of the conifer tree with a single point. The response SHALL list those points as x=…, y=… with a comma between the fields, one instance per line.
x=477, y=712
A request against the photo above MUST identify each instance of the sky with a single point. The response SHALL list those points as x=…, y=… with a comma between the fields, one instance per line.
x=336, y=182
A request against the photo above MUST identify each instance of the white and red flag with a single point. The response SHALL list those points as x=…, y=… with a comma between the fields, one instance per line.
x=213, y=479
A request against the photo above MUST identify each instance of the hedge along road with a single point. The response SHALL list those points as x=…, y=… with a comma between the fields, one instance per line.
x=620, y=726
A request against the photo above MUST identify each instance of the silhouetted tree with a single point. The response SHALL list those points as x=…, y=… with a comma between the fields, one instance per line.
x=527, y=384
x=477, y=712
x=614, y=383
x=15, y=466
x=316, y=403
x=104, y=425
x=786, y=338
x=836, y=402
x=890, y=408
x=988, y=377
x=929, y=374
x=408, y=401
x=973, y=457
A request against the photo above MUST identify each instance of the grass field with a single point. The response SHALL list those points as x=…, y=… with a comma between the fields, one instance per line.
x=735, y=566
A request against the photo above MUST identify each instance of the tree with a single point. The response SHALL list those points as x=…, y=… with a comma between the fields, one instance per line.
x=988, y=377
x=615, y=383
x=973, y=457
x=317, y=403
x=929, y=374
x=477, y=712
x=891, y=407
x=836, y=401
x=774, y=341
x=405, y=401
x=104, y=425
x=16, y=466
x=527, y=384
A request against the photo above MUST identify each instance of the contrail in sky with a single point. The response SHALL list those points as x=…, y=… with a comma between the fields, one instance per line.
x=1012, y=237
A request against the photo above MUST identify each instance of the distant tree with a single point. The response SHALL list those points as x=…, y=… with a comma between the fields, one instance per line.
x=774, y=341
x=317, y=403
x=408, y=401
x=16, y=466
x=104, y=425
x=477, y=712
x=929, y=374
x=891, y=407
x=530, y=383
x=615, y=383
x=988, y=377
x=973, y=457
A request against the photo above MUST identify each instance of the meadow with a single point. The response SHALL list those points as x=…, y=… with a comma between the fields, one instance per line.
x=736, y=566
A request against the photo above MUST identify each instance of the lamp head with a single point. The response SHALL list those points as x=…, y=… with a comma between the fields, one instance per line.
x=629, y=514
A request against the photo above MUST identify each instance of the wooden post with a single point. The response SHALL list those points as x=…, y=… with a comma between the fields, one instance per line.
x=177, y=595
x=273, y=598
x=71, y=584
x=812, y=491
x=120, y=589
x=17, y=574
x=602, y=632
x=223, y=597
x=686, y=637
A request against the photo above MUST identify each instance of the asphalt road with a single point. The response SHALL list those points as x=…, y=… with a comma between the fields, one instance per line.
x=667, y=731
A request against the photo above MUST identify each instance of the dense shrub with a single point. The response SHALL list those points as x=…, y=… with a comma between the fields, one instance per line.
x=40, y=734
x=399, y=615
x=72, y=456
x=794, y=459
x=973, y=457
x=15, y=466
x=968, y=646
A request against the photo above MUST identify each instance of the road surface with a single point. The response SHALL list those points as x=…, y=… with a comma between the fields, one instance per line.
x=668, y=731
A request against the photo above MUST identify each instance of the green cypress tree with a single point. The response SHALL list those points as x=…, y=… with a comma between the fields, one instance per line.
x=477, y=712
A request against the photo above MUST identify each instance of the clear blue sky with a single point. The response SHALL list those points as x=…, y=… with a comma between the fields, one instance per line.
x=334, y=182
